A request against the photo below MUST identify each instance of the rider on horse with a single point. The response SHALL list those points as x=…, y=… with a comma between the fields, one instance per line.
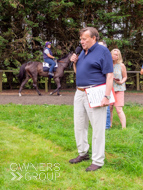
x=48, y=57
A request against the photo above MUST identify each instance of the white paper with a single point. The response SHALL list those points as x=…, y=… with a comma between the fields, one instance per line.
x=96, y=94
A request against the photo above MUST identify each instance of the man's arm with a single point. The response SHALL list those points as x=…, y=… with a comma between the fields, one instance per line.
x=74, y=67
x=74, y=59
x=109, y=85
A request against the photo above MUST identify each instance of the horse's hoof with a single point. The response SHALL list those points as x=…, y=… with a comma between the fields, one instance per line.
x=19, y=94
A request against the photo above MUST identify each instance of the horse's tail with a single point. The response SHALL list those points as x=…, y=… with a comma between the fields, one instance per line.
x=22, y=72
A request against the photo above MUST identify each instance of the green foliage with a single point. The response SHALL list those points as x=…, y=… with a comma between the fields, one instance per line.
x=26, y=25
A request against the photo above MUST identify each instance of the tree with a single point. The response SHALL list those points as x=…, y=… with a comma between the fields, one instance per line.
x=25, y=25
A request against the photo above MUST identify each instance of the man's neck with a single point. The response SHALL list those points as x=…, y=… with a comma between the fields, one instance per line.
x=86, y=50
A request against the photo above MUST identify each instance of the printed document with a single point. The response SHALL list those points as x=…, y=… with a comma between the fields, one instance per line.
x=96, y=94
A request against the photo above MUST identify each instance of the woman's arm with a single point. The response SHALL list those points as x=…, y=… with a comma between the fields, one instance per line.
x=124, y=74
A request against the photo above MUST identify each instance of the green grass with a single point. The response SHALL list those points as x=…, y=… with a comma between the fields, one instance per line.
x=37, y=141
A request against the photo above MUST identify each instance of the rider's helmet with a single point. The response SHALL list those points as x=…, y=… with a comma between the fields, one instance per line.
x=48, y=43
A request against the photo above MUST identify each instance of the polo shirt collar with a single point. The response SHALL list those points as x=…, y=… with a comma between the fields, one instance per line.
x=93, y=47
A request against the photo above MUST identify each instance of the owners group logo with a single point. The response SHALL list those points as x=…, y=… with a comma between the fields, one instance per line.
x=30, y=171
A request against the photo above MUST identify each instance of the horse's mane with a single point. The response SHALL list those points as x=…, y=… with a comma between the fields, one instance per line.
x=63, y=57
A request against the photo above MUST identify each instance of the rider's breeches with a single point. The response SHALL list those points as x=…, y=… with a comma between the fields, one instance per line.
x=52, y=63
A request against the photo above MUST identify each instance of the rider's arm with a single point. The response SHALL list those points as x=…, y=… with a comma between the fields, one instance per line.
x=50, y=56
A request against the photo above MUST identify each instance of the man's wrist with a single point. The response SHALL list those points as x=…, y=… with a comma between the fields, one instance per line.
x=108, y=97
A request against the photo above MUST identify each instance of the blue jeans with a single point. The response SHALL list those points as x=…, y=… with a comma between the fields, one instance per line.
x=52, y=63
x=108, y=118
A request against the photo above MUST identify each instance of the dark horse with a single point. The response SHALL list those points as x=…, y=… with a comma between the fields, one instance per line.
x=35, y=69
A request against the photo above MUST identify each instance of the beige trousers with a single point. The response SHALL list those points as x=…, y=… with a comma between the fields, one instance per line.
x=97, y=116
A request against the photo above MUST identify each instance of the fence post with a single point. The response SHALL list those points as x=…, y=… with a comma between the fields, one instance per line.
x=1, y=81
x=137, y=81
x=46, y=84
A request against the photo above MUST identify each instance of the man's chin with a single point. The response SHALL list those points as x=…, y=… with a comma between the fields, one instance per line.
x=83, y=47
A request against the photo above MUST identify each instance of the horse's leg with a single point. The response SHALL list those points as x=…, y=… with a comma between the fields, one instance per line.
x=57, y=81
x=23, y=83
x=35, y=84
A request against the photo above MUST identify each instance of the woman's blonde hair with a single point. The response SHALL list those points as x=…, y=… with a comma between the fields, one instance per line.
x=120, y=59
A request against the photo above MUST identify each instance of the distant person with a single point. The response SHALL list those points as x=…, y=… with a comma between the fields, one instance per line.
x=120, y=76
x=141, y=72
x=94, y=66
x=48, y=57
x=108, y=123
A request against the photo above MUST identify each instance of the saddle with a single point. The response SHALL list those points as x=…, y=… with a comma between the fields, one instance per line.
x=46, y=66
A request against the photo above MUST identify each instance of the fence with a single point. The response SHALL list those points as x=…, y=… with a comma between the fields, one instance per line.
x=46, y=80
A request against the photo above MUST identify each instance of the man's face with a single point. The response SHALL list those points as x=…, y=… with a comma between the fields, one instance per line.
x=86, y=41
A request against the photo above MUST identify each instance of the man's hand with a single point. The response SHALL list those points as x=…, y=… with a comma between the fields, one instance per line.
x=109, y=84
x=104, y=102
x=74, y=58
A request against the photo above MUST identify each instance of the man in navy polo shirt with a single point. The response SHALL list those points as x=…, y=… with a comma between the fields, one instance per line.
x=94, y=66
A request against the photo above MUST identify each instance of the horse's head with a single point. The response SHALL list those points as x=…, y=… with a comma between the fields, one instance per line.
x=66, y=59
x=70, y=54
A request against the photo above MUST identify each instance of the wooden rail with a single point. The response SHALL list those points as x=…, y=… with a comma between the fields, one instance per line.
x=1, y=73
x=12, y=71
x=46, y=79
x=137, y=78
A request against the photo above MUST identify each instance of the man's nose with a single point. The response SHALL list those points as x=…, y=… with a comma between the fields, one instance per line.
x=81, y=41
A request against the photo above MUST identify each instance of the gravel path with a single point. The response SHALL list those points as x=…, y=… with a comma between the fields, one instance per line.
x=31, y=97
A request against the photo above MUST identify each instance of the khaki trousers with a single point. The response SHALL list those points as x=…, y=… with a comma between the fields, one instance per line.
x=97, y=116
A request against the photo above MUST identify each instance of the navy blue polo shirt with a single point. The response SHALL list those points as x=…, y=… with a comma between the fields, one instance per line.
x=92, y=68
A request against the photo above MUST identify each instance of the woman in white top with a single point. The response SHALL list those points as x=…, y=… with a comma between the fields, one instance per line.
x=120, y=76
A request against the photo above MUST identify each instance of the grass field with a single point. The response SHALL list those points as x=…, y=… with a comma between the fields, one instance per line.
x=36, y=143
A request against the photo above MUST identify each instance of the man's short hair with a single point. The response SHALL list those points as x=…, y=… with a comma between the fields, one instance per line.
x=93, y=32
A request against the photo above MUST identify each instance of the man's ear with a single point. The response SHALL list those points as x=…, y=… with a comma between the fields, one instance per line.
x=94, y=38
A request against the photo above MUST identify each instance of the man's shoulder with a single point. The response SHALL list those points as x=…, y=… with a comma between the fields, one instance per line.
x=102, y=50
